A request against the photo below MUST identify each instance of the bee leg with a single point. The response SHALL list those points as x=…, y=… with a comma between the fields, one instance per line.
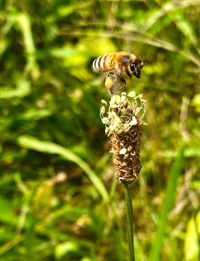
x=109, y=80
x=123, y=80
x=128, y=73
x=112, y=90
x=109, y=74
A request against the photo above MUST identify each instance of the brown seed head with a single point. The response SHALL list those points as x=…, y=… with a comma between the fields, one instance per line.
x=123, y=120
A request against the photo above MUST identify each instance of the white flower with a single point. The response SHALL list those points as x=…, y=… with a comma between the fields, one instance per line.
x=131, y=94
x=133, y=121
x=122, y=151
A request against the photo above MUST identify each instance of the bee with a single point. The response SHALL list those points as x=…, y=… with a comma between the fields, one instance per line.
x=122, y=64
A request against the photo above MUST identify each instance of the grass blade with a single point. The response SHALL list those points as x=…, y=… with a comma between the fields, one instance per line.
x=52, y=148
x=167, y=205
x=23, y=88
x=24, y=22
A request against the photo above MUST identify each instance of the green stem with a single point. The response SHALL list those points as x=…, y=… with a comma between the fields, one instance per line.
x=129, y=209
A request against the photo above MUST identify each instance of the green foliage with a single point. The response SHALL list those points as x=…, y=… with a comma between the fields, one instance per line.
x=49, y=147
x=167, y=205
x=59, y=199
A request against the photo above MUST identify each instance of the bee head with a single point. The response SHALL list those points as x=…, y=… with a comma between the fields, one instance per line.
x=136, y=67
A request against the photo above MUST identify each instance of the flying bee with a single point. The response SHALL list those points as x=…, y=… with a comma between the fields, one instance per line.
x=122, y=64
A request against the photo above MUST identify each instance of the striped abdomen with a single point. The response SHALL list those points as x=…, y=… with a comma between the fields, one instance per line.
x=104, y=63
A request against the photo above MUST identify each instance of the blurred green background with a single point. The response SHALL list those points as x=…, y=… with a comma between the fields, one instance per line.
x=59, y=199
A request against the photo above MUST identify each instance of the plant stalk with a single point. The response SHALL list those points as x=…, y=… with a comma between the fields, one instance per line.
x=129, y=209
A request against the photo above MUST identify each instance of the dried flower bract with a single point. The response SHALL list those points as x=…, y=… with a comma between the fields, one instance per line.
x=123, y=120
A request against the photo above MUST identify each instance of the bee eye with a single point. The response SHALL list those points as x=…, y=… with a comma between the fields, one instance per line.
x=132, y=67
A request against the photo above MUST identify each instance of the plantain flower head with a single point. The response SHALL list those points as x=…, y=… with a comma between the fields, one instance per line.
x=122, y=118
